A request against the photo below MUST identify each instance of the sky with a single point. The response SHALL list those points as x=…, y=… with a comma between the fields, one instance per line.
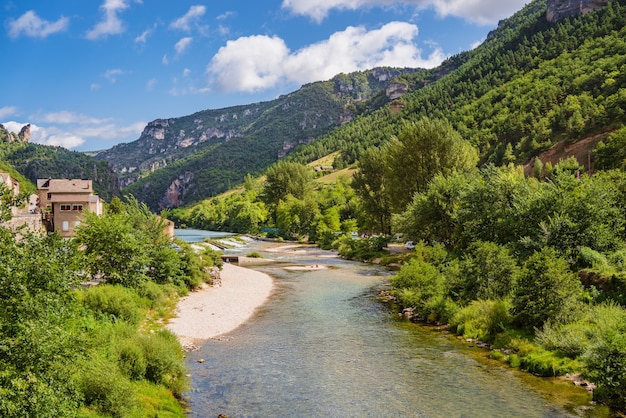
x=90, y=74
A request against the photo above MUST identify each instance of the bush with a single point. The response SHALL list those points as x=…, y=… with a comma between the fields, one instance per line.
x=164, y=361
x=117, y=302
x=131, y=359
x=569, y=340
x=547, y=364
x=153, y=292
x=254, y=254
x=547, y=291
x=106, y=389
x=483, y=319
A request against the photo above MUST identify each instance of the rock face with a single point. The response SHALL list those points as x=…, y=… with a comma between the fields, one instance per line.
x=562, y=9
x=25, y=133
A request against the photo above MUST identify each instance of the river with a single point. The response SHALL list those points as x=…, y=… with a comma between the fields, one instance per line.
x=323, y=346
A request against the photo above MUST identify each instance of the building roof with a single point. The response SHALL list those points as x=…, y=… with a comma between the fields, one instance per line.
x=65, y=186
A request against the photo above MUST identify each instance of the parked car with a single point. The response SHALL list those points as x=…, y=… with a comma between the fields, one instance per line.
x=410, y=245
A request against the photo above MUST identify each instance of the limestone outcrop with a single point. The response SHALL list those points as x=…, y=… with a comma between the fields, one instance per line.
x=562, y=9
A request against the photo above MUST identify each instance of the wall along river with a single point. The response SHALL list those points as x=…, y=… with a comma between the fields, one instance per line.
x=323, y=346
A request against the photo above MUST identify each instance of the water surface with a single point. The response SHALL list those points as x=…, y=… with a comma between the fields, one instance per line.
x=323, y=346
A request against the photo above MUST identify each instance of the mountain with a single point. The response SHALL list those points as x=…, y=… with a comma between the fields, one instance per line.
x=529, y=86
x=551, y=73
x=181, y=160
x=35, y=161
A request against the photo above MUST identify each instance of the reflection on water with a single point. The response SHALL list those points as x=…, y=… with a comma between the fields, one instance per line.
x=324, y=346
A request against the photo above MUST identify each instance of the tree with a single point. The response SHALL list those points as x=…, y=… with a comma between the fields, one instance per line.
x=370, y=185
x=422, y=150
x=116, y=251
x=488, y=272
x=38, y=350
x=286, y=178
x=546, y=290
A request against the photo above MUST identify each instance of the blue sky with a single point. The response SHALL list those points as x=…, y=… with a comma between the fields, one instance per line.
x=90, y=74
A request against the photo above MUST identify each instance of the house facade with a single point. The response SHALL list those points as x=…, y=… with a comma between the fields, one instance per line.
x=21, y=216
x=63, y=203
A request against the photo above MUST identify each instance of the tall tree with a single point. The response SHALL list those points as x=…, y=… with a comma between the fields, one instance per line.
x=370, y=184
x=286, y=178
x=422, y=150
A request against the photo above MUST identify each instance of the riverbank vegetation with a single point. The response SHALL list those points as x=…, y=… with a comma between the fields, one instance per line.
x=69, y=347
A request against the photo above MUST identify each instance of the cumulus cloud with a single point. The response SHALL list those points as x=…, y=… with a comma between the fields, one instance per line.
x=111, y=24
x=47, y=136
x=182, y=45
x=261, y=62
x=32, y=25
x=71, y=130
x=192, y=16
x=7, y=111
x=477, y=11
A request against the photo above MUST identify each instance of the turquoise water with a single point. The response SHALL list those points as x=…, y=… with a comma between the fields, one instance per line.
x=323, y=346
x=198, y=235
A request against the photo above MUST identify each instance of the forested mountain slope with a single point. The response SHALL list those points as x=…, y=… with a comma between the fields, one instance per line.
x=35, y=161
x=531, y=84
x=182, y=160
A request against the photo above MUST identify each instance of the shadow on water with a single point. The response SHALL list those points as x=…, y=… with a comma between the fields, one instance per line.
x=324, y=346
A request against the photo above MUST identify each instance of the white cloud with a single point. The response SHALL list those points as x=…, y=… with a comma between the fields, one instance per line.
x=66, y=117
x=260, y=62
x=477, y=11
x=47, y=136
x=192, y=16
x=71, y=130
x=32, y=25
x=249, y=63
x=143, y=38
x=112, y=75
x=7, y=111
x=182, y=45
x=111, y=24
x=151, y=83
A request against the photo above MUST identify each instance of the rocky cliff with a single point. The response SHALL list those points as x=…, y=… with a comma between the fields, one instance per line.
x=180, y=160
x=562, y=9
x=23, y=136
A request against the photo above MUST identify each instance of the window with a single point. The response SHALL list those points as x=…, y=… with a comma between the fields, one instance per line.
x=66, y=226
x=78, y=208
x=66, y=208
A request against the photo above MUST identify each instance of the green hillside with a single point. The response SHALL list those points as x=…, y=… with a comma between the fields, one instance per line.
x=528, y=86
x=34, y=161
x=183, y=160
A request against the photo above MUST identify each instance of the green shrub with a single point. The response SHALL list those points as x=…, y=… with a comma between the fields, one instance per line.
x=514, y=360
x=164, y=361
x=547, y=364
x=106, y=389
x=569, y=340
x=117, y=302
x=483, y=319
x=131, y=359
x=254, y=254
x=153, y=292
